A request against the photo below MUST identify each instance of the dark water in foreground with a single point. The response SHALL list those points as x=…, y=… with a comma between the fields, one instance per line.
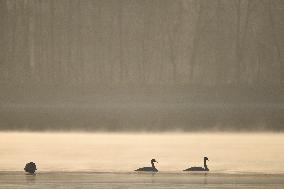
x=86, y=180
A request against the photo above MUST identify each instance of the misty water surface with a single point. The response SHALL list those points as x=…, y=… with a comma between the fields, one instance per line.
x=124, y=152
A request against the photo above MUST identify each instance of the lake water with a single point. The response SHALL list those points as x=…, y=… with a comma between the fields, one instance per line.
x=107, y=160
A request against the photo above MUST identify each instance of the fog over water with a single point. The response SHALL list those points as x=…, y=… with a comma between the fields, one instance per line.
x=162, y=65
x=91, y=90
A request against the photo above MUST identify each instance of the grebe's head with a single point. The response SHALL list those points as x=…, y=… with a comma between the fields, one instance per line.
x=30, y=167
x=206, y=159
x=153, y=160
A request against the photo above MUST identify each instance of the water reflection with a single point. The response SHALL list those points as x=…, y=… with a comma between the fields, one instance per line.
x=30, y=178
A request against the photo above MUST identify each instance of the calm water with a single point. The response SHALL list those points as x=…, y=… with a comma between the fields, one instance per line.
x=103, y=160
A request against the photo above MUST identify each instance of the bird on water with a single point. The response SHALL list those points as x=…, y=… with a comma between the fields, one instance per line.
x=149, y=169
x=30, y=168
x=205, y=168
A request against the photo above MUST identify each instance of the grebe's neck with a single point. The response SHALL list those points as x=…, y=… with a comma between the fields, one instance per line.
x=153, y=165
x=205, y=166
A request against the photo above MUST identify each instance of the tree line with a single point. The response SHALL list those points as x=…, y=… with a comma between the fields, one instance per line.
x=161, y=42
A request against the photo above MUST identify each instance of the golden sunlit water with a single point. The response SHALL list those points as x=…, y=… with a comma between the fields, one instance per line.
x=112, y=152
x=107, y=160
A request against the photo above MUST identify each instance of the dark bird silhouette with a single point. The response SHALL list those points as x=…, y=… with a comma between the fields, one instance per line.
x=205, y=168
x=149, y=169
x=30, y=168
